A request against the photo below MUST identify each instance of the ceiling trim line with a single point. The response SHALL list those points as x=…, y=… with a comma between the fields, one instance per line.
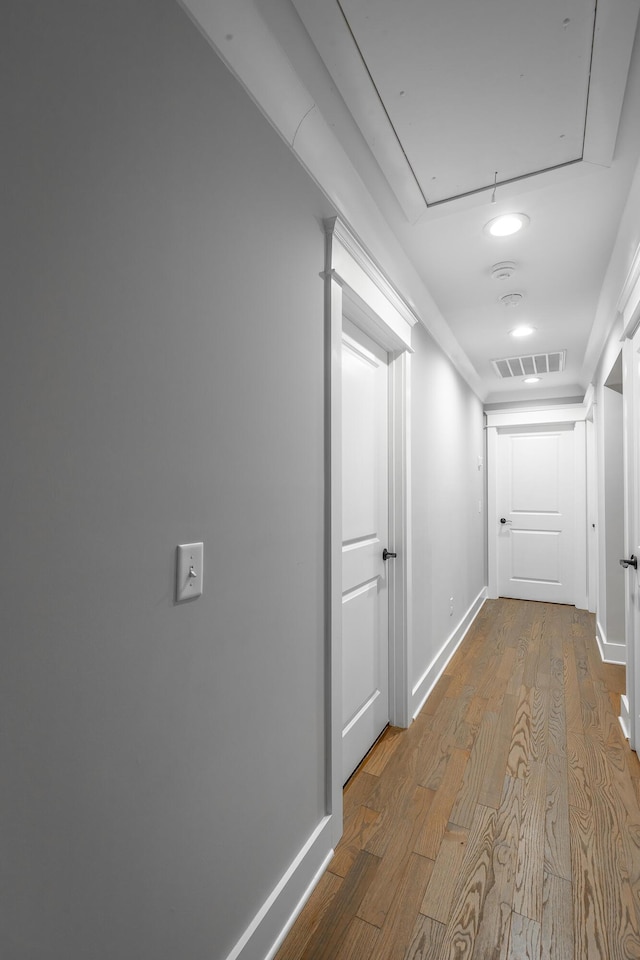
x=431, y=205
x=590, y=77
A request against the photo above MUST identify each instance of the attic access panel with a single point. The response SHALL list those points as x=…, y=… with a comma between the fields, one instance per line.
x=469, y=89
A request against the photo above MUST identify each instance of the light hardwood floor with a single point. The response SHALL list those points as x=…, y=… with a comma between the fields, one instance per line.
x=504, y=823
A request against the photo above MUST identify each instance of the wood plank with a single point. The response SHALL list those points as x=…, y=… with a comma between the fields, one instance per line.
x=634, y=765
x=377, y=759
x=605, y=918
x=400, y=844
x=589, y=709
x=490, y=792
x=533, y=654
x=520, y=748
x=397, y=932
x=556, y=662
x=393, y=795
x=557, y=845
x=450, y=710
x=617, y=801
x=434, y=757
x=492, y=938
x=359, y=941
x=435, y=823
x=543, y=668
x=522, y=649
x=325, y=941
x=557, y=726
x=464, y=807
x=426, y=940
x=524, y=939
x=489, y=685
x=435, y=697
x=438, y=899
x=310, y=918
x=475, y=880
x=557, y=919
x=589, y=927
x=507, y=663
x=527, y=898
x=357, y=830
x=473, y=718
x=539, y=723
x=571, y=690
x=579, y=785
x=358, y=791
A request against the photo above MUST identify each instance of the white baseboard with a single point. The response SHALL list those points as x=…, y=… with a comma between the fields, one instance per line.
x=610, y=652
x=436, y=668
x=625, y=716
x=264, y=935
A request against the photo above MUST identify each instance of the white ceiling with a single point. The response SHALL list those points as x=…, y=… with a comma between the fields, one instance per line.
x=447, y=96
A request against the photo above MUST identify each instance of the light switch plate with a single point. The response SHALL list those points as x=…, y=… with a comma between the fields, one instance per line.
x=189, y=570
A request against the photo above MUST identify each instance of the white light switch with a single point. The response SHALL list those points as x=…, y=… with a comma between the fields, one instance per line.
x=189, y=570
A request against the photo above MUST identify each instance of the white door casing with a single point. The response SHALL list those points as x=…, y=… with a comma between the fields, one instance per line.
x=535, y=499
x=365, y=533
x=592, y=513
x=537, y=482
x=631, y=397
x=354, y=285
x=628, y=311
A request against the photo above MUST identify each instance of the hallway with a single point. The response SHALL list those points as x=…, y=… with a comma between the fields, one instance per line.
x=505, y=823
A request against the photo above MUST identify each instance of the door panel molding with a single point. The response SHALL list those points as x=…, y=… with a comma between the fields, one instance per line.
x=357, y=289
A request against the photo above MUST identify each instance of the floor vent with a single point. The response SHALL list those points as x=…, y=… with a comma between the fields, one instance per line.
x=530, y=365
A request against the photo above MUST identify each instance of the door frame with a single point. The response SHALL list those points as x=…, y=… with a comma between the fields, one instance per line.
x=356, y=288
x=509, y=422
x=592, y=508
x=628, y=308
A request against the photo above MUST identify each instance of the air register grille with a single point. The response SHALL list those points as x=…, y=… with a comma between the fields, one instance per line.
x=530, y=365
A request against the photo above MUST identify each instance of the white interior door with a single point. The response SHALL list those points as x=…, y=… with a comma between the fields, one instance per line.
x=632, y=533
x=365, y=523
x=535, y=525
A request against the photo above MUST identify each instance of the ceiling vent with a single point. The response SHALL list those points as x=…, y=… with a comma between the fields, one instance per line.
x=530, y=365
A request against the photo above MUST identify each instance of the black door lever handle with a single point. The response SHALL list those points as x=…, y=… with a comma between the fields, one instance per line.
x=386, y=554
x=631, y=562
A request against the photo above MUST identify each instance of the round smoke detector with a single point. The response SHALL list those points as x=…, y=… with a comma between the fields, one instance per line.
x=511, y=299
x=504, y=270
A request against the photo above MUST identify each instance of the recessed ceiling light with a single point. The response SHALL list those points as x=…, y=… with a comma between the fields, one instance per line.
x=523, y=331
x=532, y=379
x=506, y=225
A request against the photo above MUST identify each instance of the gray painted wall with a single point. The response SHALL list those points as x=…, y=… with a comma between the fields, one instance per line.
x=162, y=362
x=448, y=531
x=162, y=382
